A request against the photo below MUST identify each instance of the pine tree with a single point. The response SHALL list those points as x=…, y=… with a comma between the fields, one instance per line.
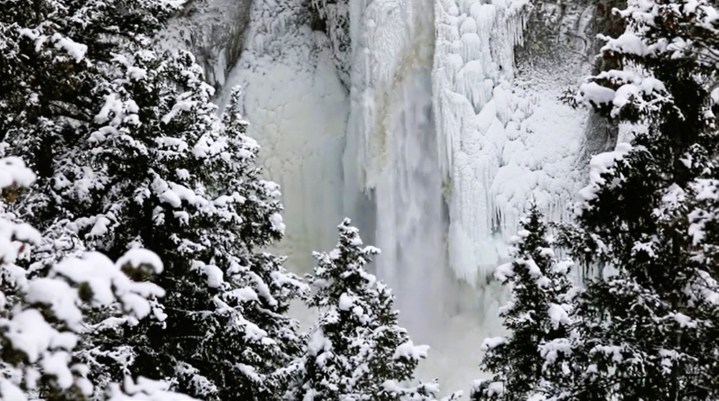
x=39, y=324
x=536, y=315
x=356, y=351
x=647, y=329
x=225, y=333
x=130, y=152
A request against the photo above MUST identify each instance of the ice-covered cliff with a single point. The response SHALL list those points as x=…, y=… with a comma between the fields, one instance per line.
x=505, y=137
x=431, y=123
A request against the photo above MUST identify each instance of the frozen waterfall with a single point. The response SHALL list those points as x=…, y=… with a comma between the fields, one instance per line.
x=392, y=153
x=448, y=144
x=505, y=137
x=443, y=132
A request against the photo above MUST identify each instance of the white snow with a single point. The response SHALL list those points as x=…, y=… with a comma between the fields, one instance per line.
x=600, y=164
x=492, y=342
x=14, y=172
x=56, y=365
x=596, y=93
x=76, y=50
x=346, y=301
x=100, y=227
x=107, y=282
x=550, y=351
x=59, y=296
x=277, y=223
x=30, y=333
x=628, y=42
x=214, y=275
x=558, y=315
x=10, y=391
x=243, y=294
x=141, y=257
x=411, y=351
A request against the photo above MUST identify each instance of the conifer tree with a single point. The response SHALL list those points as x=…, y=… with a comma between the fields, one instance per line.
x=356, y=351
x=130, y=152
x=39, y=324
x=647, y=329
x=536, y=314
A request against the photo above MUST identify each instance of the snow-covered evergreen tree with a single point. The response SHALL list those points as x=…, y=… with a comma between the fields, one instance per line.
x=536, y=314
x=356, y=351
x=225, y=334
x=647, y=329
x=39, y=325
x=130, y=151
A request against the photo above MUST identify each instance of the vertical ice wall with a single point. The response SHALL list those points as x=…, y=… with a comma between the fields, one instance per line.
x=504, y=140
x=297, y=108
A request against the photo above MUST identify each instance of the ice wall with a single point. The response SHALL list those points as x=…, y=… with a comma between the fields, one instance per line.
x=297, y=108
x=505, y=138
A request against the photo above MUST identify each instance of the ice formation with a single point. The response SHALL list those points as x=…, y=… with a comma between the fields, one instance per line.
x=505, y=137
x=435, y=142
x=391, y=152
x=297, y=108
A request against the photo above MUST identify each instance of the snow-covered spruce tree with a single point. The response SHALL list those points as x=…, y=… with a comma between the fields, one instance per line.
x=356, y=351
x=39, y=325
x=225, y=334
x=55, y=53
x=130, y=151
x=536, y=314
x=648, y=329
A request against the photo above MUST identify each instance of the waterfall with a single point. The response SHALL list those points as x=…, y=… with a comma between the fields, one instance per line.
x=433, y=150
x=392, y=153
x=394, y=177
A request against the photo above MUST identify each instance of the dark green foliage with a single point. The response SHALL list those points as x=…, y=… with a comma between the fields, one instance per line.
x=130, y=152
x=647, y=328
x=536, y=315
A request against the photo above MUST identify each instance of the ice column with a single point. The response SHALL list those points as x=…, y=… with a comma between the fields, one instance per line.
x=297, y=108
x=392, y=153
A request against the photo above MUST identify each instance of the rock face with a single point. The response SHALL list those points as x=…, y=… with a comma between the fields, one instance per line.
x=214, y=30
x=430, y=122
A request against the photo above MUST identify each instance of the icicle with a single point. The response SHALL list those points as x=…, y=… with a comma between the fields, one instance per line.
x=484, y=136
